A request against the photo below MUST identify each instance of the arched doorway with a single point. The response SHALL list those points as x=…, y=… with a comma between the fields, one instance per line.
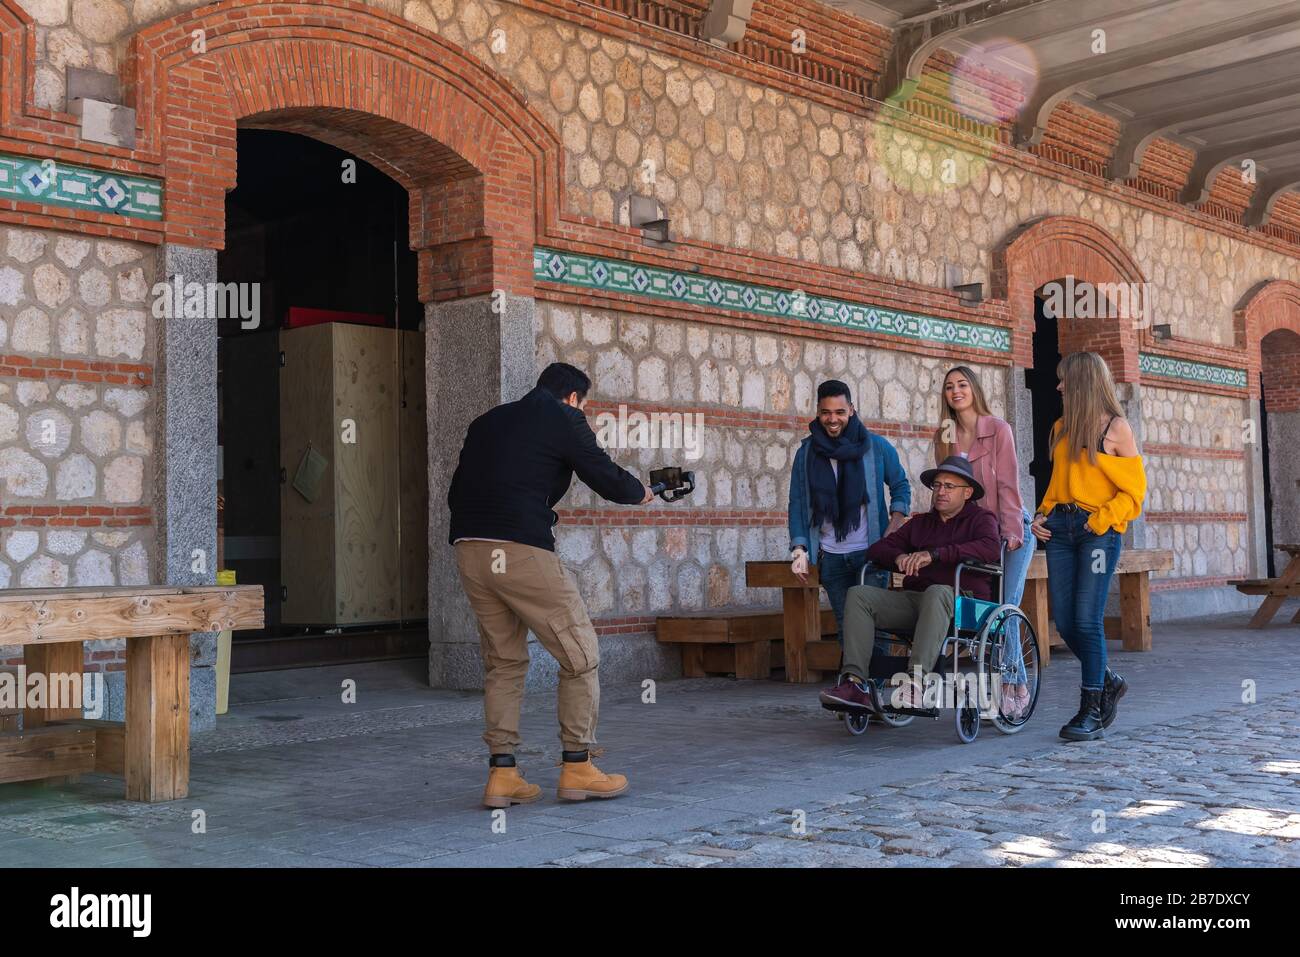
x=322, y=237
x=1279, y=427
x=480, y=170
x=1069, y=287
x=1268, y=325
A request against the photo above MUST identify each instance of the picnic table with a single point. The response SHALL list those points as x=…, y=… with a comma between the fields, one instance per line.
x=151, y=749
x=1276, y=590
x=807, y=656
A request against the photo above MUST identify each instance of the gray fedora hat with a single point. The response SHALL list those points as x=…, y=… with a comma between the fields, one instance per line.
x=955, y=465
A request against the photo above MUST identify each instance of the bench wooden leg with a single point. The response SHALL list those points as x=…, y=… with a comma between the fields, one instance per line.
x=1269, y=607
x=692, y=661
x=65, y=657
x=1034, y=604
x=158, y=718
x=754, y=659
x=802, y=623
x=1135, y=611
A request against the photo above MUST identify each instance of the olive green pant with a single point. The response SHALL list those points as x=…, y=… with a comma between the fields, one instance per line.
x=513, y=589
x=927, y=614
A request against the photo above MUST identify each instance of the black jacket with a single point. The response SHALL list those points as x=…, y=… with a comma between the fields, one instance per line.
x=518, y=460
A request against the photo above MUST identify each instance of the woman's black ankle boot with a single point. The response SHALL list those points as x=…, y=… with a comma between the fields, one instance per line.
x=1112, y=690
x=1086, y=725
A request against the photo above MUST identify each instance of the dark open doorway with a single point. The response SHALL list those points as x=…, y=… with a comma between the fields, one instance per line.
x=1041, y=382
x=312, y=239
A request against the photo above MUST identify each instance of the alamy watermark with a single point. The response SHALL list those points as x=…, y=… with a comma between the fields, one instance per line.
x=179, y=299
x=58, y=690
x=653, y=430
x=1073, y=298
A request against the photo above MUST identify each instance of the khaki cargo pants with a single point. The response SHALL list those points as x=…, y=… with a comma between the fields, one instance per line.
x=515, y=588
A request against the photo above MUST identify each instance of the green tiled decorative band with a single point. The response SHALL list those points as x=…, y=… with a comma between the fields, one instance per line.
x=1191, y=371
x=596, y=272
x=61, y=184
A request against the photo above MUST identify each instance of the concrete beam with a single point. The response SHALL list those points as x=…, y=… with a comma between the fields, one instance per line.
x=1268, y=191
x=1210, y=162
x=916, y=38
x=1203, y=113
x=726, y=21
x=1062, y=82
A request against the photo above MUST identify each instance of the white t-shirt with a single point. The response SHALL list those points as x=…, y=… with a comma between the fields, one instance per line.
x=857, y=540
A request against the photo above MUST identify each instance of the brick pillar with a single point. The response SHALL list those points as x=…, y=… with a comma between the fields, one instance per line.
x=475, y=358
x=1257, y=547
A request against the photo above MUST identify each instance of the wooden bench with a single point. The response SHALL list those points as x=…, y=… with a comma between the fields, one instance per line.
x=807, y=657
x=1276, y=590
x=151, y=749
x=746, y=644
x=1132, y=626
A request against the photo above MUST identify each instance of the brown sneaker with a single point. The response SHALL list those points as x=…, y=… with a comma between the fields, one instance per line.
x=580, y=780
x=848, y=695
x=506, y=786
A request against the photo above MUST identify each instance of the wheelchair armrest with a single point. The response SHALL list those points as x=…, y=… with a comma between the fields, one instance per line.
x=870, y=568
x=981, y=567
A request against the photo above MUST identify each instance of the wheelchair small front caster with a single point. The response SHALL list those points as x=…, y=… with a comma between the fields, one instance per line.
x=856, y=723
x=968, y=724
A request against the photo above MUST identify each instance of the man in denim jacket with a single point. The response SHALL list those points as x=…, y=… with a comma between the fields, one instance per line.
x=837, y=496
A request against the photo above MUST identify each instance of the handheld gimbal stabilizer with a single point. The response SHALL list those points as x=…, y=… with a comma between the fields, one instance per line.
x=672, y=484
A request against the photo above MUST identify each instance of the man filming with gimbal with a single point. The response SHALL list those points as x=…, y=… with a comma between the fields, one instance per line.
x=517, y=462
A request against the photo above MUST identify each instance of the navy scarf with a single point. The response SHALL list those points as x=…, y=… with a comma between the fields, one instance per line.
x=838, y=502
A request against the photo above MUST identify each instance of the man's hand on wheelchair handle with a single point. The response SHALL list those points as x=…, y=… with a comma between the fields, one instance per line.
x=649, y=495
x=799, y=565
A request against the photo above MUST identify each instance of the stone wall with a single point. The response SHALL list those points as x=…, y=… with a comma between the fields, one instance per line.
x=756, y=392
x=75, y=417
x=1197, y=482
x=745, y=166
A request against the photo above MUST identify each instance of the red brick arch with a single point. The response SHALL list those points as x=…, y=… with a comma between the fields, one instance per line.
x=1270, y=308
x=481, y=167
x=1051, y=249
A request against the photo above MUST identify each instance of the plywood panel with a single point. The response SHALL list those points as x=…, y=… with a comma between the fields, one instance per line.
x=366, y=474
x=413, y=452
x=307, y=533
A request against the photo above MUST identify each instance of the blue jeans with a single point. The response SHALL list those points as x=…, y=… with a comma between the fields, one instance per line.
x=1080, y=565
x=1014, y=571
x=839, y=573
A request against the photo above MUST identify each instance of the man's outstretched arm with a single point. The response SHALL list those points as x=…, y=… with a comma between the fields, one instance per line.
x=593, y=466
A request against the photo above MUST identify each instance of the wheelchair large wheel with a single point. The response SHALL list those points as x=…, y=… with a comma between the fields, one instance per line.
x=1007, y=645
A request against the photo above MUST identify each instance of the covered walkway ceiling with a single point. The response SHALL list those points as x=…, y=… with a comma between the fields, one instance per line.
x=1220, y=77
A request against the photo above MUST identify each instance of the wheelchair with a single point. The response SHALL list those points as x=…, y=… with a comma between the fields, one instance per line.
x=984, y=636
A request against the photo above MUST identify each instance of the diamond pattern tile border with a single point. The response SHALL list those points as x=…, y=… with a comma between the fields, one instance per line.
x=31, y=180
x=1170, y=368
x=687, y=287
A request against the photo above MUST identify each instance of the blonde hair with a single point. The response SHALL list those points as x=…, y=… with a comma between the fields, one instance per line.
x=1088, y=393
x=948, y=414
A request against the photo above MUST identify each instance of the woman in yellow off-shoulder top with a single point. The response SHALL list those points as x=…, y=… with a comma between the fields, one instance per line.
x=1097, y=487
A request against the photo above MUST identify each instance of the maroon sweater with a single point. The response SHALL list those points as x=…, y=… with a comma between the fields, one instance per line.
x=970, y=535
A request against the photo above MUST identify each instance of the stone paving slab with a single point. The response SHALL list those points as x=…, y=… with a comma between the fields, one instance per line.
x=1190, y=775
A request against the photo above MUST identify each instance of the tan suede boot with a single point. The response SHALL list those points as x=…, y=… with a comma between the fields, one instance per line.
x=580, y=780
x=506, y=786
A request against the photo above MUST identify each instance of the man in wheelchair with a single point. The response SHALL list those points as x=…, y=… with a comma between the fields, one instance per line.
x=926, y=549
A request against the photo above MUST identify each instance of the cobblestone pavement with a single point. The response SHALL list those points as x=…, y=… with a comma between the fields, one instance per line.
x=724, y=774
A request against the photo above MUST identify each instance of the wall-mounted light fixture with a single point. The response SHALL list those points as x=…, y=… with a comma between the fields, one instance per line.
x=970, y=293
x=1162, y=331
